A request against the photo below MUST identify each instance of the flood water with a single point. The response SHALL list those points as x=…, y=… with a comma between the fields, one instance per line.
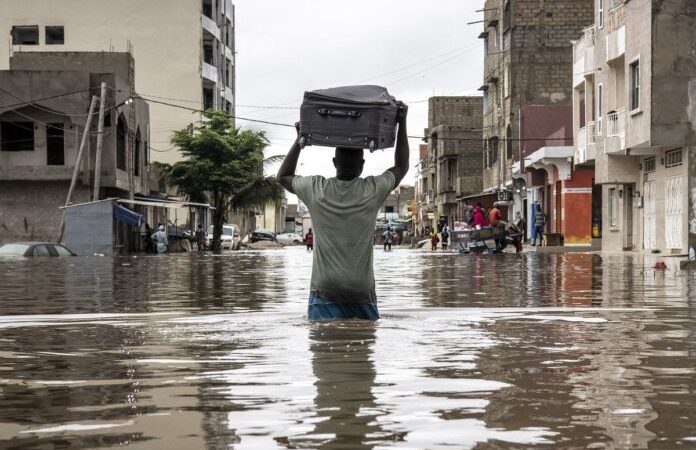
x=197, y=351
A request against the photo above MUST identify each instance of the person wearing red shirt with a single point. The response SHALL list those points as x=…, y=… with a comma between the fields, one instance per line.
x=309, y=240
x=494, y=216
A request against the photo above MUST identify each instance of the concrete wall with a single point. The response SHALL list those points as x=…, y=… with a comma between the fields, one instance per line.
x=37, y=75
x=673, y=77
x=537, y=65
x=454, y=138
x=89, y=228
x=29, y=209
x=163, y=34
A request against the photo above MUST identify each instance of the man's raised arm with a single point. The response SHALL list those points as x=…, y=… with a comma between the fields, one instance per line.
x=401, y=155
x=286, y=173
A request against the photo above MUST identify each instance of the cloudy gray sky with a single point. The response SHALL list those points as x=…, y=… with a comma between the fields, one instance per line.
x=415, y=48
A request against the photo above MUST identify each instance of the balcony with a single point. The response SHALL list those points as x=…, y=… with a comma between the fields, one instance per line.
x=209, y=25
x=583, y=55
x=616, y=132
x=616, y=33
x=585, y=150
x=209, y=72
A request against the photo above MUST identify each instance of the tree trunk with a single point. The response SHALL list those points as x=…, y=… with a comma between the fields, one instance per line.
x=218, y=218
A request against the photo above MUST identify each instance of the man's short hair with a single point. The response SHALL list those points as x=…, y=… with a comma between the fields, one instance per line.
x=349, y=154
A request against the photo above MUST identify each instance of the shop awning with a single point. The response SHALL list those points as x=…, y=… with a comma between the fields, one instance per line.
x=559, y=156
x=165, y=203
x=127, y=216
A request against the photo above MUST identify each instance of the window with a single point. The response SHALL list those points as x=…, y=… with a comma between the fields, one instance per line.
x=17, y=136
x=55, y=35
x=62, y=251
x=634, y=73
x=389, y=209
x=121, y=136
x=55, y=144
x=41, y=250
x=673, y=158
x=506, y=81
x=506, y=16
x=600, y=112
x=600, y=14
x=508, y=142
x=25, y=35
x=433, y=143
x=492, y=155
x=485, y=101
x=613, y=208
x=208, y=9
x=146, y=153
x=649, y=165
x=208, y=53
x=137, y=153
x=485, y=46
x=208, y=98
x=494, y=41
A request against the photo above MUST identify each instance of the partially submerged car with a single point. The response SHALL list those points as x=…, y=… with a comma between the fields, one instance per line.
x=30, y=249
x=290, y=238
x=262, y=234
x=229, y=233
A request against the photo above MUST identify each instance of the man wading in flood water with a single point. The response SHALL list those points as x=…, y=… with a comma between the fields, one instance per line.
x=344, y=211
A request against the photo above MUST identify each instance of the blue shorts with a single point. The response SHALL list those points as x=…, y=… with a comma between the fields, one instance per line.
x=319, y=309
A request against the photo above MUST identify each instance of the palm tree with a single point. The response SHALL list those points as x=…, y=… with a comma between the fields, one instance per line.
x=223, y=166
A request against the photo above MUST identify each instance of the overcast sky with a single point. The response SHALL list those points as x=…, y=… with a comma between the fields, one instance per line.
x=414, y=48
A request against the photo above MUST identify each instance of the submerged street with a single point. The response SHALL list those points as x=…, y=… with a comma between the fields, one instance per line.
x=203, y=351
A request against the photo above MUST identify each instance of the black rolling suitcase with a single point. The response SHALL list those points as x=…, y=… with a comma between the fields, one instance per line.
x=349, y=116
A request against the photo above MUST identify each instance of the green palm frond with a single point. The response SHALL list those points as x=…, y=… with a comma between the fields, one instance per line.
x=256, y=194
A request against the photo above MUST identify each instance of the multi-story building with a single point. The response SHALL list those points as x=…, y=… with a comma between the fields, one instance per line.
x=398, y=203
x=44, y=104
x=183, y=49
x=450, y=164
x=527, y=61
x=635, y=121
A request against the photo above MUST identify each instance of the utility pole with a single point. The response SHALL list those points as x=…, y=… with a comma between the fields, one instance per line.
x=100, y=141
x=78, y=163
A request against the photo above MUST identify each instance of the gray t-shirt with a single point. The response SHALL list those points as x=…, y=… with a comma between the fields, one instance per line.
x=344, y=214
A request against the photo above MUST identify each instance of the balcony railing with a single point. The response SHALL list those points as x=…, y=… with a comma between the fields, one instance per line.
x=616, y=17
x=586, y=143
x=616, y=123
x=587, y=40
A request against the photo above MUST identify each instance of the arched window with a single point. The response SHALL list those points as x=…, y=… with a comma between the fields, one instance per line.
x=136, y=154
x=121, y=142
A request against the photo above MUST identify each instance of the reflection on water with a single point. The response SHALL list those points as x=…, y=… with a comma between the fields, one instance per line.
x=202, y=351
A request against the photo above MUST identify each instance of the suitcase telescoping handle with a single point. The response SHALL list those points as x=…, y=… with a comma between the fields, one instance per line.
x=338, y=113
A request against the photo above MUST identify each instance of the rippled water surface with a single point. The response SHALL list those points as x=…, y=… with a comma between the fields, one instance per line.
x=211, y=352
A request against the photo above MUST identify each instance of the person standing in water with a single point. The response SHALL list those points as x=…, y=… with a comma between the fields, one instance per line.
x=160, y=240
x=344, y=210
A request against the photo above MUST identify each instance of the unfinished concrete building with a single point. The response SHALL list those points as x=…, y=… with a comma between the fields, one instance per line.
x=528, y=61
x=451, y=166
x=44, y=104
x=184, y=49
x=635, y=121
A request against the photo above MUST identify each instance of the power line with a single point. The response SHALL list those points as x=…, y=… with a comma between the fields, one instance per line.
x=25, y=103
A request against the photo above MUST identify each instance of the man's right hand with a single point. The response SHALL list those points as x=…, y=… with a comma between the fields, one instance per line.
x=403, y=112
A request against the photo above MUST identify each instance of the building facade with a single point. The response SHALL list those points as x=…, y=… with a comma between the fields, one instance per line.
x=450, y=164
x=527, y=61
x=39, y=140
x=184, y=49
x=635, y=121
